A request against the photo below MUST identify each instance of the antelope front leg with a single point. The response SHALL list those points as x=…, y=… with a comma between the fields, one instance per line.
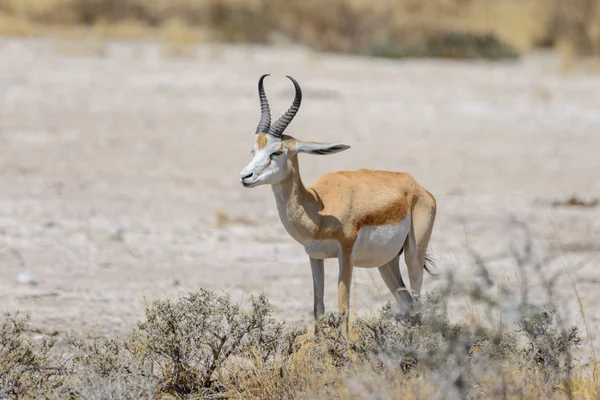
x=318, y=275
x=344, y=283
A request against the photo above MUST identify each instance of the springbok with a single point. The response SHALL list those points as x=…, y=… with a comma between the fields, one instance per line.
x=365, y=218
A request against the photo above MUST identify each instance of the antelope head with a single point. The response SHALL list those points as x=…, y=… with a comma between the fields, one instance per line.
x=273, y=152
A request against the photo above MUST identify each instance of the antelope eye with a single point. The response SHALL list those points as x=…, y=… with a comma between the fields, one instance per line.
x=277, y=153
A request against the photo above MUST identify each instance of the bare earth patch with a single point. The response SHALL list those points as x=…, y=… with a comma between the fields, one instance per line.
x=119, y=174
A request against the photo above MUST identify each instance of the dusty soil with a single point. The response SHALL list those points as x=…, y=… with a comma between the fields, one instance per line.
x=119, y=174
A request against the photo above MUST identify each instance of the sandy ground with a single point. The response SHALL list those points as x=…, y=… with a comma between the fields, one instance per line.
x=119, y=173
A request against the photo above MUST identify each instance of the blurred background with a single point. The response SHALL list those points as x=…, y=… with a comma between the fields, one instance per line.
x=400, y=28
x=124, y=125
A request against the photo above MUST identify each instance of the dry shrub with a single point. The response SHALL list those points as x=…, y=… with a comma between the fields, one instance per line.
x=205, y=346
x=108, y=368
x=550, y=349
x=188, y=342
x=27, y=368
x=421, y=356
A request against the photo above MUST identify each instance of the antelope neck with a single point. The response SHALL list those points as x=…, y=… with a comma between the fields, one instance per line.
x=294, y=202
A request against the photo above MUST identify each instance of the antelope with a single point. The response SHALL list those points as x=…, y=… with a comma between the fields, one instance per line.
x=364, y=218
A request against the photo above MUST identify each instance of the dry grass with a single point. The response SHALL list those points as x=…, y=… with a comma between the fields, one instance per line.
x=205, y=346
x=338, y=25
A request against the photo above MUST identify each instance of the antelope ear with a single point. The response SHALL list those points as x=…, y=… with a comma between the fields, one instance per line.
x=319, y=148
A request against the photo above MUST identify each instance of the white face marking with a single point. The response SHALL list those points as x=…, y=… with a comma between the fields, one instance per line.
x=268, y=165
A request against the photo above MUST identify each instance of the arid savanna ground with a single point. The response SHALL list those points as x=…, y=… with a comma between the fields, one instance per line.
x=119, y=174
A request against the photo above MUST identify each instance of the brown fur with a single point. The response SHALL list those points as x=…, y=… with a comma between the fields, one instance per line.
x=261, y=140
x=339, y=204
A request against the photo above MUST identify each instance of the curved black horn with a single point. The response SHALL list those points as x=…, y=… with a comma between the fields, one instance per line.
x=282, y=123
x=265, y=112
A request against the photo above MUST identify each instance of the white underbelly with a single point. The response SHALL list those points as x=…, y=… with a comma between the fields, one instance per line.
x=377, y=245
x=374, y=246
